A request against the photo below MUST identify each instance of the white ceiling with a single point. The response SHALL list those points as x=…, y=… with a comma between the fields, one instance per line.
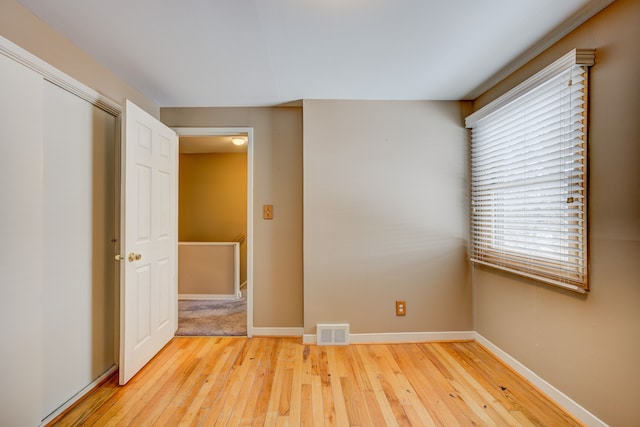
x=268, y=52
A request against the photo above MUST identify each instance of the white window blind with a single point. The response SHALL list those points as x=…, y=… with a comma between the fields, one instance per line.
x=528, y=176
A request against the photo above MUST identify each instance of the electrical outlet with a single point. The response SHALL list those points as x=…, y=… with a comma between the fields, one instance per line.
x=401, y=308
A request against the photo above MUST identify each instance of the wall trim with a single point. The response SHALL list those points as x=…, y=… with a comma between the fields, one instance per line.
x=277, y=331
x=400, y=337
x=553, y=393
x=57, y=77
x=79, y=395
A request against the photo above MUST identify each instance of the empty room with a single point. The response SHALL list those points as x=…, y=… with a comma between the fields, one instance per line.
x=440, y=217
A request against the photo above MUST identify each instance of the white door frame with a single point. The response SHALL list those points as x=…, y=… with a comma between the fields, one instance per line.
x=220, y=131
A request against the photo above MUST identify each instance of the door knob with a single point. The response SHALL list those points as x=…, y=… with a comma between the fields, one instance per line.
x=134, y=257
x=119, y=257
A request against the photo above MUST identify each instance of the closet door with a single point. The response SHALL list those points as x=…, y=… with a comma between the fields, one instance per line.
x=78, y=264
x=21, y=134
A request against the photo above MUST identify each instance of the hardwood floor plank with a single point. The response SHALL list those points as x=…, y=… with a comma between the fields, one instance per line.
x=244, y=367
x=480, y=401
x=140, y=389
x=284, y=403
x=362, y=401
x=306, y=403
x=316, y=401
x=329, y=411
x=357, y=411
x=172, y=400
x=342, y=419
x=251, y=386
x=208, y=380
x=428, y=384
x=401, y=389
x=518, y=393
x=408, y=393
x=296, y=405
x=307, y=365
x=257, y=398
x=458, y=406
x=213, y=404
x=369, y=366
x=265, y=381
x=375, y=413
x=279, y=383
x=100, y=398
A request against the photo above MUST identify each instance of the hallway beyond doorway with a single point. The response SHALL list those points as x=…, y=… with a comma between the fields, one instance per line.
x=212, y=317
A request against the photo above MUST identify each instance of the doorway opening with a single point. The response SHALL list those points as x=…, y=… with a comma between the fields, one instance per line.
x=215, y=233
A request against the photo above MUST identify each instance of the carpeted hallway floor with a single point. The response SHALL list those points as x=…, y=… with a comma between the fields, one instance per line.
x=212, y=317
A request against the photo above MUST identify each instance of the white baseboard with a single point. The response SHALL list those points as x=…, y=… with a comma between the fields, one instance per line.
x=400, y=337
x=553, y=393
x=79, y=395
x=277, y=332
x=207, y=296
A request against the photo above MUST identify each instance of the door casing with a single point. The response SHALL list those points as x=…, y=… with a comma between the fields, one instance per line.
x=225, y=131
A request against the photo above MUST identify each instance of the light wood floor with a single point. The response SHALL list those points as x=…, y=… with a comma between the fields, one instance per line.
x=206, y=381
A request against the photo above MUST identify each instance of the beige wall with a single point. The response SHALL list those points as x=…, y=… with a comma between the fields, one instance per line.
x=206, y=269
x=277, y=176
x=20, y=26
x=212, y=203
x=213, y=197
x=385, y=216
x=587, y=346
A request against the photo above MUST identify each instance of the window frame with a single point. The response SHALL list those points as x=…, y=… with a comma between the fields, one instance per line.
x=519, y=261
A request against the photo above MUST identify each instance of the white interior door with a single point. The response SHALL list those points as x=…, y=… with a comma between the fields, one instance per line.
x=148, y=294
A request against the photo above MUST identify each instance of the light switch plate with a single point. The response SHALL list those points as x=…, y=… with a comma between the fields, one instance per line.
x=267, y=212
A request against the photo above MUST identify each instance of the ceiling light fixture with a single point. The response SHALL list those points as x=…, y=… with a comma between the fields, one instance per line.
x=238, y=141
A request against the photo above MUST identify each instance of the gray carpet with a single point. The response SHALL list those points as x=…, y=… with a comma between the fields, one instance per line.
x=212, y=317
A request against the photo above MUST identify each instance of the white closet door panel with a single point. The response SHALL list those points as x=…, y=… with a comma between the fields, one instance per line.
x=21, y=135
x=77, y=253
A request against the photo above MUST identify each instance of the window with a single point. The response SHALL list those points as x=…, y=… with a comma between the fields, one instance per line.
x=528, y=176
